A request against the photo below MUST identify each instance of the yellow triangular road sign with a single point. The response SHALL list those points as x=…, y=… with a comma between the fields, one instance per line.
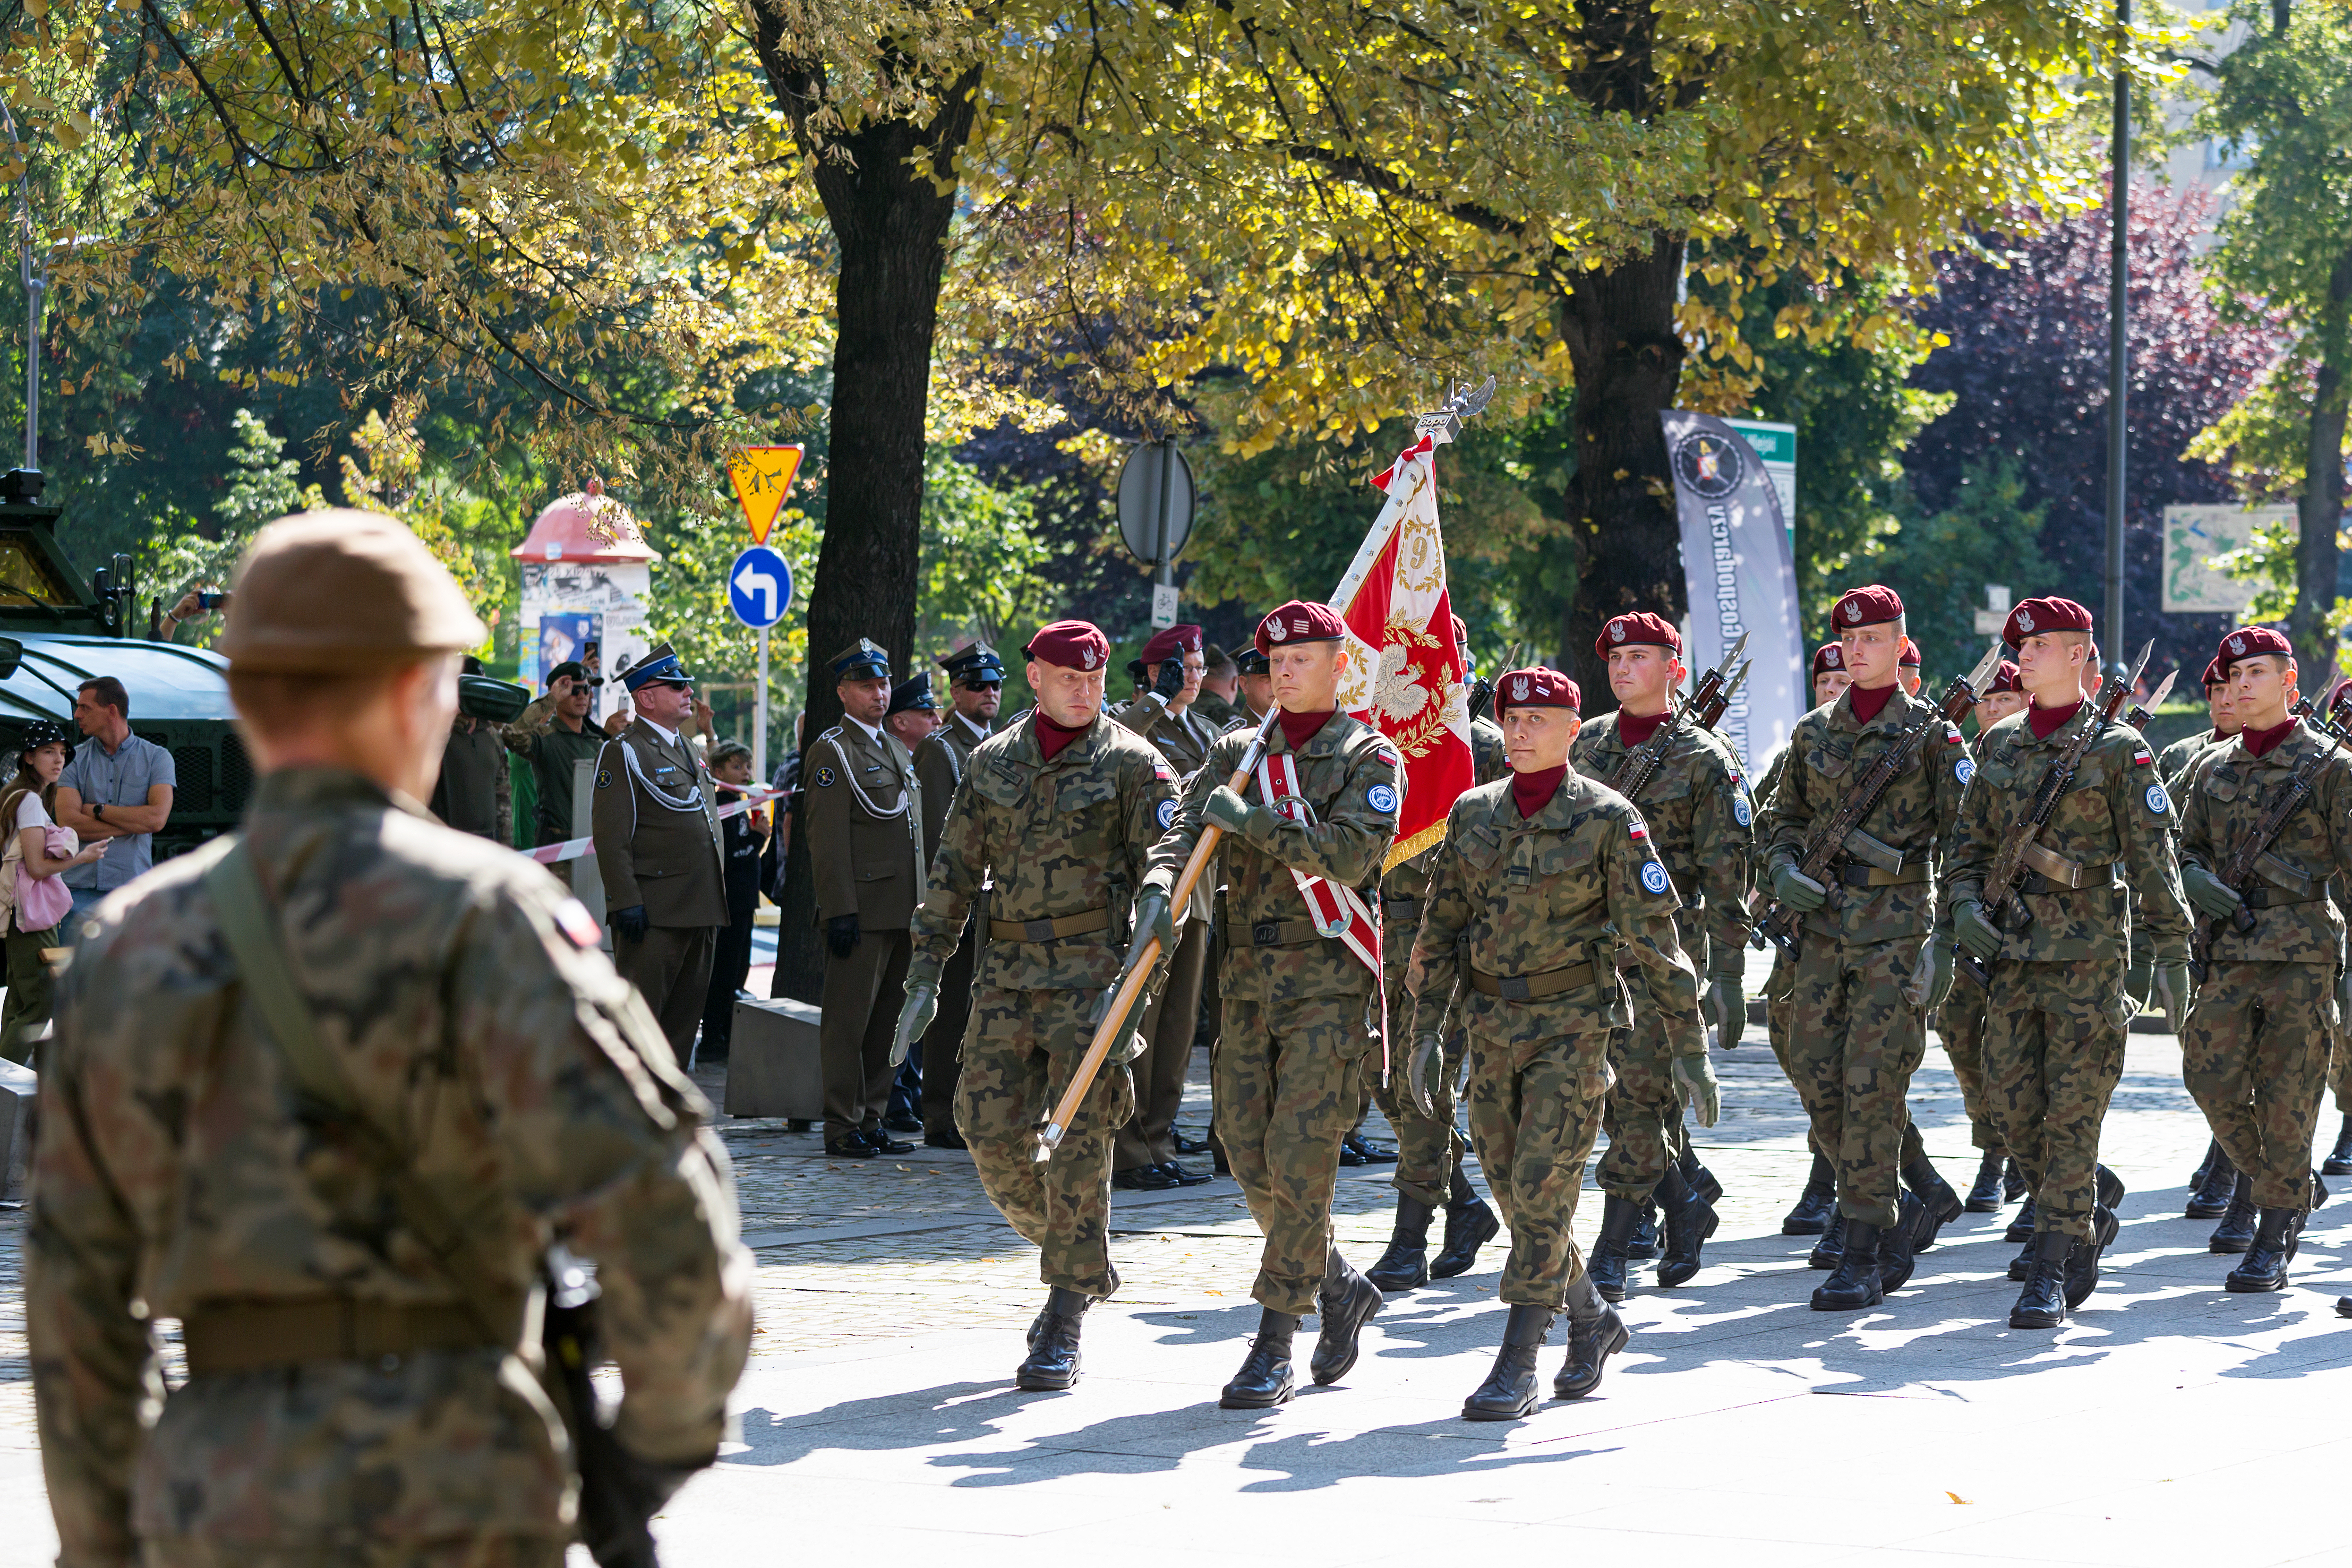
x=763, y=477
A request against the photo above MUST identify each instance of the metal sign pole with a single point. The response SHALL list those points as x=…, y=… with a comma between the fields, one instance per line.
x=759, y=716
x=1165, y=573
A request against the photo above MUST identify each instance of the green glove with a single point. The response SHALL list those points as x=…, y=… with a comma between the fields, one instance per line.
x=1931, y=980
x=1425, y=1074
x=2140, y=973
x=1730, y=1009
x=2210, y=893
x=1132, y=1050
x=2172, y=994
x=1977, y=934
x=1798, y=891
x=1154, y=919
x=922, y=1006
x=1695, y=1076
x=1235, y=815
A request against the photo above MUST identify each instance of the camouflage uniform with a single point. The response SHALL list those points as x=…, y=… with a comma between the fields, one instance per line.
x=1852, y=1042
x=2057, y=1009
x=2254, y=1049
x=1064, y=842
x=1541, y=899
x=1959, y=1023
x=1299, y=1012
x=179, y=1167
x=1701, y=826
x=2172, y=763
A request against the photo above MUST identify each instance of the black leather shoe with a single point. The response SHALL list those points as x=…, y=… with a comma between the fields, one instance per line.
x=1348, y=1156
x=2339, y=1159
x=1690, y=1220
x=1606, y=1262
x=1217, y=1160
x=1469, y=1225
x=2043, y=1304
x=1052, y=1364
x=1592, y=1340
x=1984, y=1196
x=2108, y=1187
x=852, y=1146
x=2021, y=1265
x=882, y=1143
x=950, y=1139
x=1405, y=1265
x=1938, y=1204
x=1701, y=1180
x=2209, y=1198
x=1898, y=1247
x=1263, y=1381
x=1817, y=1204
x=1185, y=1178
x=1642, y=1245
x=1367, y=1153
x=1831, y=1247
x=2013, y=1179
x=907, y=1125
x=1854, y=1286
x=2020, y=1226
x=2082, y=1261
x=2264, y=1265
x=1342, y=1308
x=1509, y=1391
x=1144, y=1178
x=2236, y=1231
x=1185, y=1145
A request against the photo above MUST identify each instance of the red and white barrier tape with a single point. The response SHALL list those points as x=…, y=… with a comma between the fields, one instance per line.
x=580, y=849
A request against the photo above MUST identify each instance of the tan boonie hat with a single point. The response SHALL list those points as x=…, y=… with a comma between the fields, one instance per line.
x=340, y=592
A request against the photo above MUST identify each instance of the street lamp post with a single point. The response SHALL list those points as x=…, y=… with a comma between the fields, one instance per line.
x=2118, y=322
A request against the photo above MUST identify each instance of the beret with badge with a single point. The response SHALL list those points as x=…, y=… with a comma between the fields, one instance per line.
x=1072, y=645
x=1870, y=606
x=2036, y=616
x=2252, y=642
x=1173, y=643
x=1536, y=687
x=1638, y=629
x=1828, y=659
x=1299, y=621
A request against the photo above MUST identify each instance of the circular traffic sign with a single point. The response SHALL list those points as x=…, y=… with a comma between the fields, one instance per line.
x=759, y=587
x=1155, y=472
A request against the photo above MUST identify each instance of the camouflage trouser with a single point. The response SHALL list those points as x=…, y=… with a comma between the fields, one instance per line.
x=1852, y=1045
x=1428, y=1147
x=1283, y=1087
x=1018, y=1055
x=2339, y=1067
x=2053, y=1050
x=1535, y=1109
x=1643, y=1111
x=485, y=1552
x=2253, y=1052
x=1960, y=1025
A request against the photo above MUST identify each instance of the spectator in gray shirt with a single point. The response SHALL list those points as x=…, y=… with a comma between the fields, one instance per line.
x=117, y=791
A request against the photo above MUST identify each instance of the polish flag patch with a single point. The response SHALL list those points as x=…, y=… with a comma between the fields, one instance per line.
x=1160, y=772
x=2140, y=758
x=1951, y=733
x=1638, y=830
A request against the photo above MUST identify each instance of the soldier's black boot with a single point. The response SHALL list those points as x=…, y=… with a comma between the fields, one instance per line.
x=1855, y=1284
x=1263, y=1381
x=1469, y=1225
x=1831, y=1247
x=2043, y=1304
x=2339, y=1159
x=2020, y=1229
x=1405, y=1265
x=1595, y=1333
x=1701, y=1180
x=1690, y=1220
x=1345, y=1304
x=1984, y=1197
x=2264, y=1266
x=1642, y=1244
x=1898, y=1247
x=2209, y=1197
x=1509, y=1391
x=2110, y=1188
x=2236, y=1231
x=1607, y=1264
x=1938, y=1204
x=2083, y=1262
x=1052, y=1360
x=1817, y=1204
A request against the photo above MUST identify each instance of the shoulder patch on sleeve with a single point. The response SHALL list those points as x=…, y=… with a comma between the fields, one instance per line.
x=572, y=918
x=1963, y=769
x=1636, y=829
x=2140, y=758
x=1382, y=798
x=824, y=778
x=604, y=778
x=1159, y=770
x=1653, y=877
x=1739, y=810
x=1951, y=733
x=2158, y=803
x=1166, y=812
x=1388, y=755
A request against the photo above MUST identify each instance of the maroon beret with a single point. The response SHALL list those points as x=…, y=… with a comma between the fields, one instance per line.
x=2036, y=616
x=2215, y=675
x=1073, y=644
x=1910, y=654
x=1537, y=688
x=1299, y=621
x=1866, y=607
x=2248, y=641
x=2004, y=679
x=1171, y=643
x=1828, y=659
x=1641, y=627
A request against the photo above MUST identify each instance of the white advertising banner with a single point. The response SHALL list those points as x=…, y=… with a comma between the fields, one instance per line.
x=1741, y=575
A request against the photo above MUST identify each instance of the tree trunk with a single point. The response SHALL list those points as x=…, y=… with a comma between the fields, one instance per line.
x=2319, y=511
x=1619, y=326
x=882, y=189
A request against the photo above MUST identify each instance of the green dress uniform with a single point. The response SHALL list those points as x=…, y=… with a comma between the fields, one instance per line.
x=940, y=762
x=554, y=752
x=862, y=813
x=658, y=846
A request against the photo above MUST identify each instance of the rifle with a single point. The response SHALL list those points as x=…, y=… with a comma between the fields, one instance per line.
x=2240, y=870
x=2009, y=865
x=1482, y=690
x=616, y=1506
x=1712, y=694
x=2142, y=712
x=1825, y=852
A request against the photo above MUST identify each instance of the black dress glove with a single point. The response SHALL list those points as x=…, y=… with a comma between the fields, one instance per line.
x=630, y=922
x=841, y=934
x=1171, y=681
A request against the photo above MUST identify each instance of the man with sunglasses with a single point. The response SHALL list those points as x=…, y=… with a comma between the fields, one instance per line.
x=975, y=676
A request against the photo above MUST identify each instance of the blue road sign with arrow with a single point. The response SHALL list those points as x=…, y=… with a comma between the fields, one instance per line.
x=759, y=587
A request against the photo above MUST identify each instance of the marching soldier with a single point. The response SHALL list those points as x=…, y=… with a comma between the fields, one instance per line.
x=2254, y=1052
x=356, y=1393
x=1056, y=815
x=1541, y=883
x=1866, y=973
x=2101, y=888
x=975, y=692
x=862, y=813
x=1959, y=1023
x=660, y=850
x=2215, y=1190
x=1301, y=1010
x=1701, y=831
x=1145, y=1157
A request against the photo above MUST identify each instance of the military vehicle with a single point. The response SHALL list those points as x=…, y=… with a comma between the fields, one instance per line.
x=57, y=630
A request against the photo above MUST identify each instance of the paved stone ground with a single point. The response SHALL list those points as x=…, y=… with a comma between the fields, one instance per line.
x=2171, y=1421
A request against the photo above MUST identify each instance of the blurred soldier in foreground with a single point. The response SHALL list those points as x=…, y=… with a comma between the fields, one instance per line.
x=354, y=1396
x=976, y=690
x=1057, y=814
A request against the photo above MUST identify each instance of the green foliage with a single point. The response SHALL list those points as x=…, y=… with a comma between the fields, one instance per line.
x=1940, y=564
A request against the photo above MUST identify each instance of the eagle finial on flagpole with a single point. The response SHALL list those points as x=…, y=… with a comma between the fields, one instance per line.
x=1442, y=424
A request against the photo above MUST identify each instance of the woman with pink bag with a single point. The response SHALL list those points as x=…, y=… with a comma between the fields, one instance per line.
x=32, y=901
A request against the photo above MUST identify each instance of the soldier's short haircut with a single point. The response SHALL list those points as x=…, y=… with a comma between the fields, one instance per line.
x=107, y=692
